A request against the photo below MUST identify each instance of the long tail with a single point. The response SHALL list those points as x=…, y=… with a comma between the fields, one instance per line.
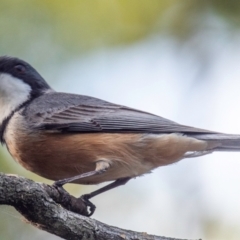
x=220, y=141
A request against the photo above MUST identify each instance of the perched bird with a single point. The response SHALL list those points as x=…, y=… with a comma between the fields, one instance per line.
x=80, y=139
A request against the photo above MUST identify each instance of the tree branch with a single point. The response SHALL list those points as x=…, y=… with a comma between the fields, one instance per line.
x=39, y=204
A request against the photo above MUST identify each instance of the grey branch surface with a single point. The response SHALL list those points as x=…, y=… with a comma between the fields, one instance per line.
x=39, y=204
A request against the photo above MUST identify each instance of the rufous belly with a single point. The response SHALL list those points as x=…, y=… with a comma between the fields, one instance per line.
x=56, y=155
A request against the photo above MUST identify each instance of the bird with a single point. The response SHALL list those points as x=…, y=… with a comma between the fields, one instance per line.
x=71, y=138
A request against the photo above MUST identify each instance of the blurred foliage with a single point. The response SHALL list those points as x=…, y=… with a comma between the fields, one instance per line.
x=76, y=26
x=43, y=31
x=71, y=27
x=219, y=230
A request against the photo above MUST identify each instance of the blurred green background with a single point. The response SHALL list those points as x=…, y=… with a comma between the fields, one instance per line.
x=127, y=38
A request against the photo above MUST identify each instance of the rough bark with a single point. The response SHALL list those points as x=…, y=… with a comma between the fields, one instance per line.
x=40, y=205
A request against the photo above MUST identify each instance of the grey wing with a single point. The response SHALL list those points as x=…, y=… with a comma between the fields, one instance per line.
x=83, y=114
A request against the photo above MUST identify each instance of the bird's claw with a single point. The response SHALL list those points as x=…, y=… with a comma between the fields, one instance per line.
x=65, y=197
x=90, y=205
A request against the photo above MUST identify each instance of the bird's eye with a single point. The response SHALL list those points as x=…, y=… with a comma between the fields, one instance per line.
x=20, y=69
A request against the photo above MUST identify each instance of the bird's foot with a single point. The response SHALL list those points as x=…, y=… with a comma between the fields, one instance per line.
x=65, y=196
x=78, y=205
x=91, y=207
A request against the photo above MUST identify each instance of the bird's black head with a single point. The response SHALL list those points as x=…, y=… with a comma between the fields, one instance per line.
x=19, y=84
x=22, y=71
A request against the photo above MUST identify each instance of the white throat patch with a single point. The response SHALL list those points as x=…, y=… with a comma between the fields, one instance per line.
x=13, y=92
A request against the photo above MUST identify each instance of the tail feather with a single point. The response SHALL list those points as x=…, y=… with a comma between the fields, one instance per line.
x=220, y=141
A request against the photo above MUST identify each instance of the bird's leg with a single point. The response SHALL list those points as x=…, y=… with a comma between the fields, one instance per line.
x=85, y=198
x=117, y=183
x=101, y=167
